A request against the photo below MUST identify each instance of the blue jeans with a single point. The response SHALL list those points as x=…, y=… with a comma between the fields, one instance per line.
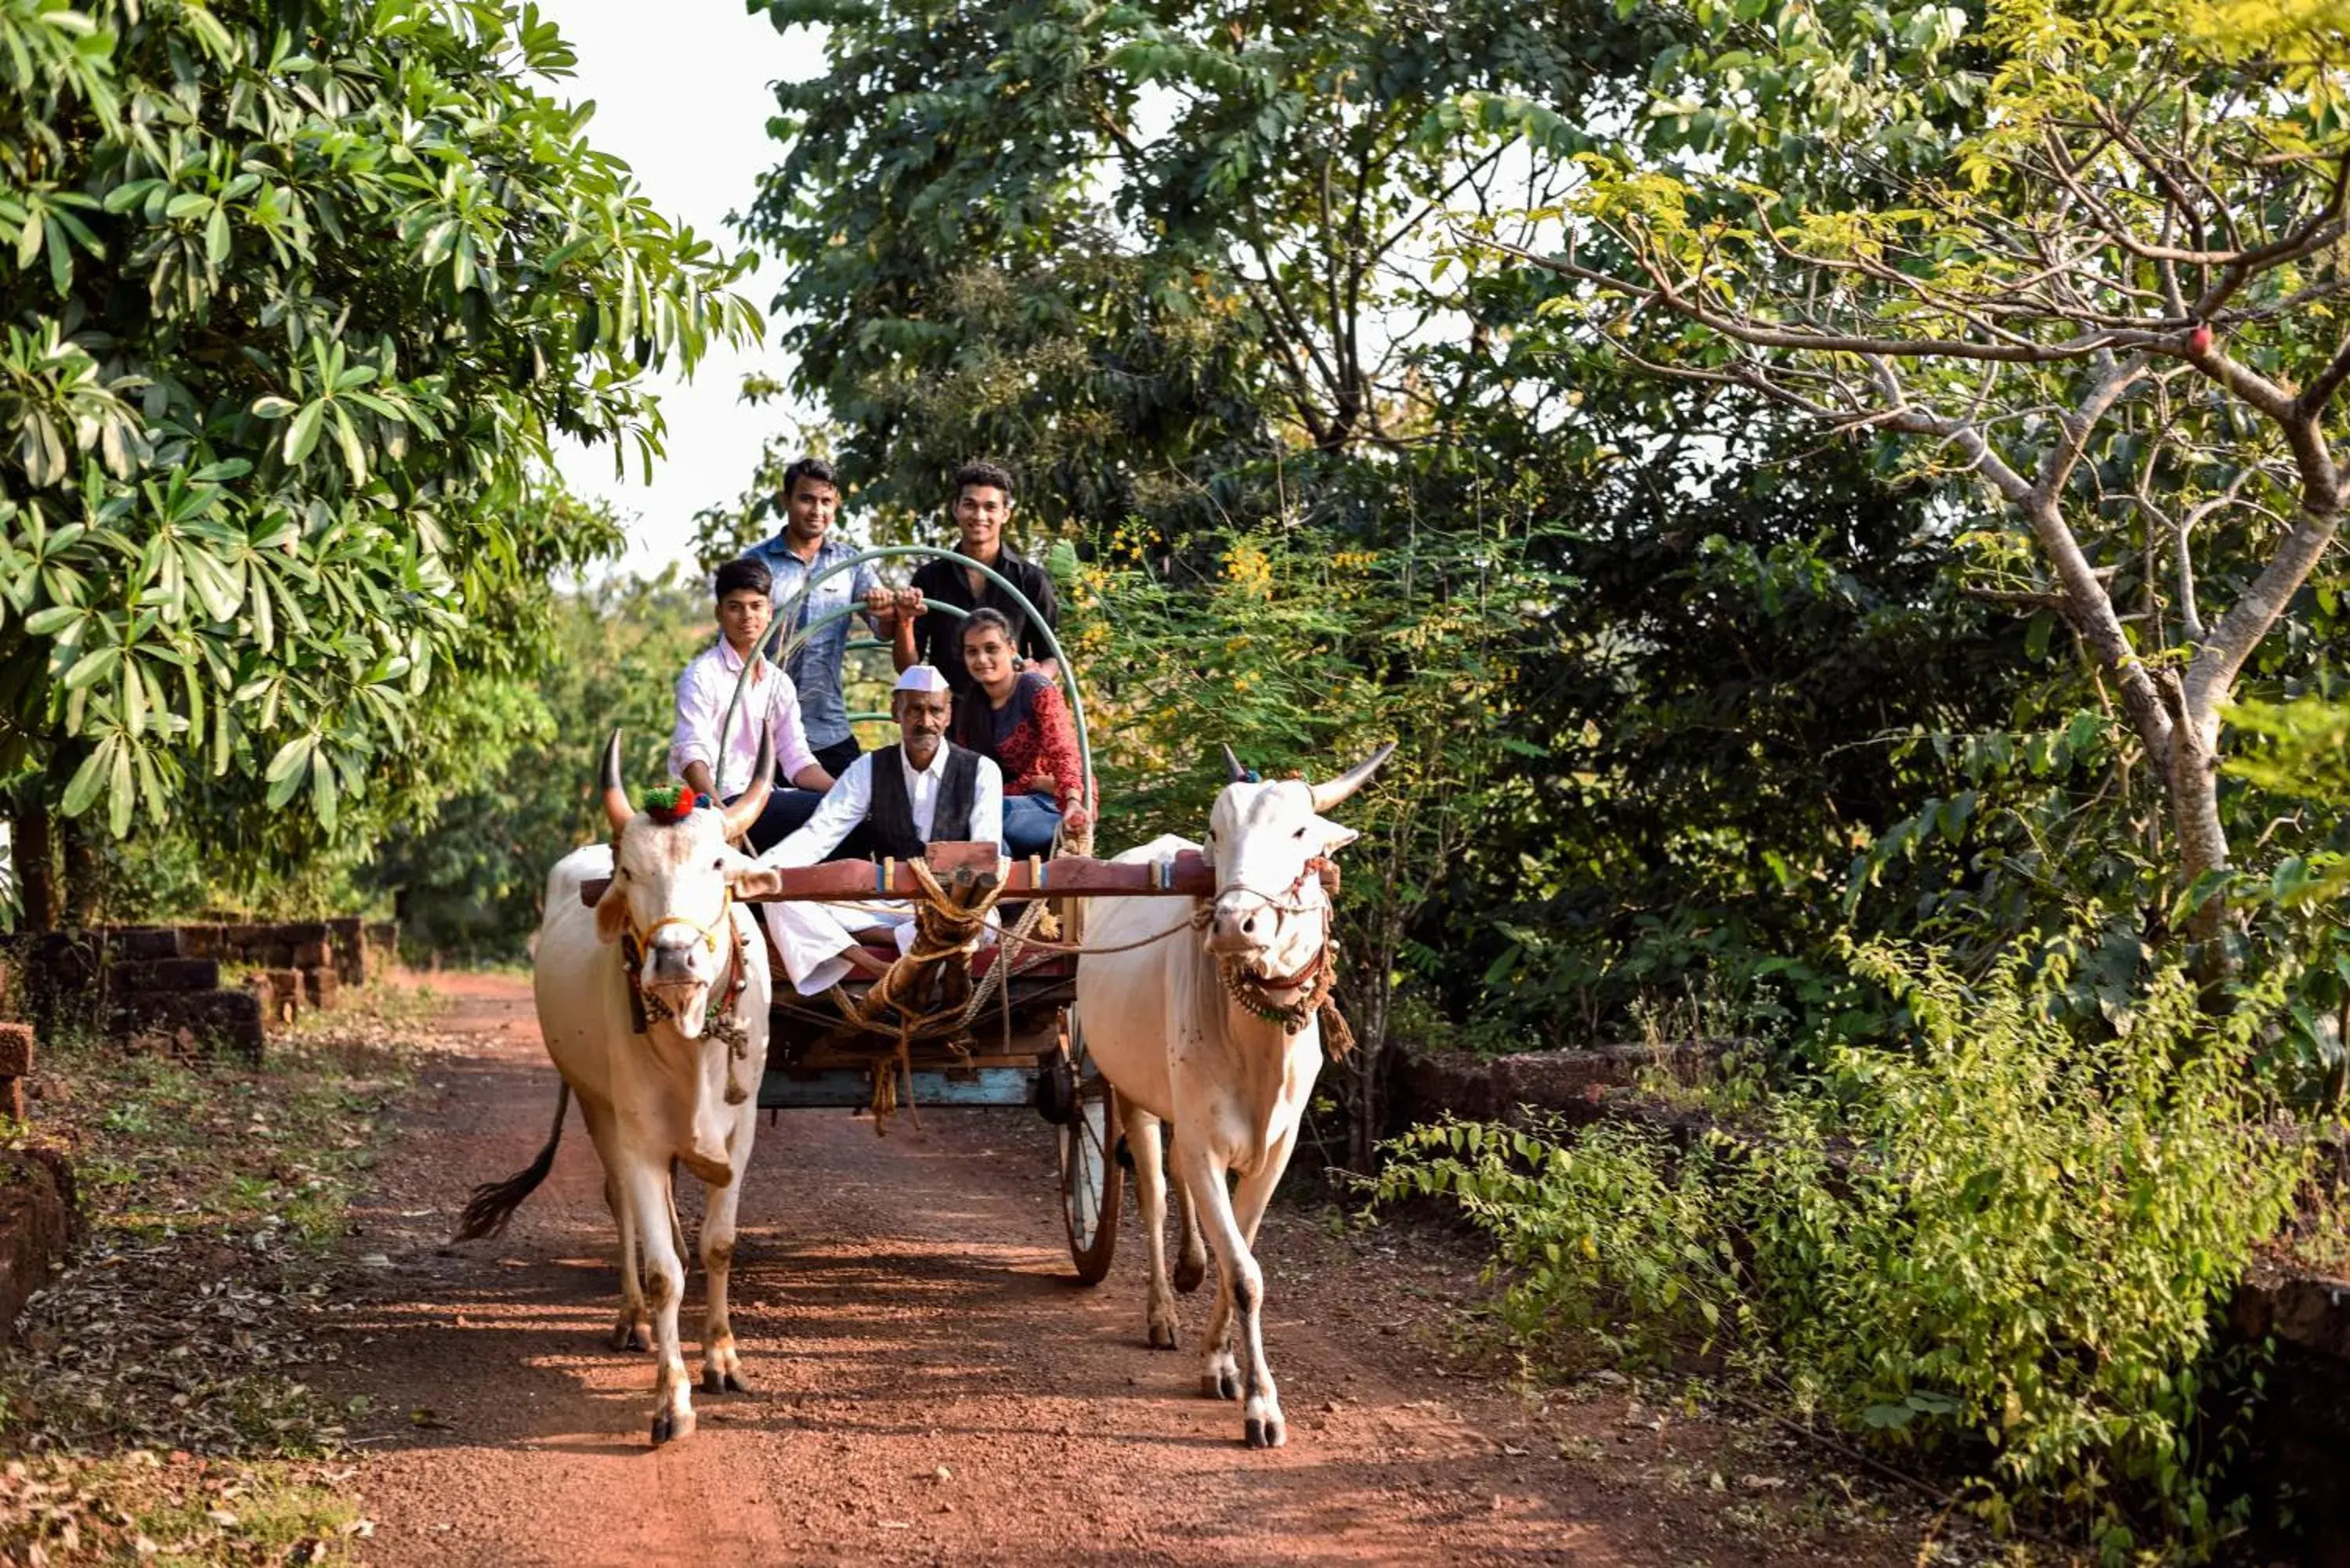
x=1029, y=823
x=787, y=808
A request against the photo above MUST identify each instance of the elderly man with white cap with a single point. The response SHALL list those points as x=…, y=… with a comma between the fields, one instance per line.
x=922, y=788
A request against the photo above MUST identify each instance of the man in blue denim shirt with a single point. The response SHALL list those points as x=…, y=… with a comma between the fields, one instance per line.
x=810, y=500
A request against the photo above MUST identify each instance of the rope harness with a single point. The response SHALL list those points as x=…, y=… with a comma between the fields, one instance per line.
x=903, y=1007
x=1254, y=994
x=945, y=925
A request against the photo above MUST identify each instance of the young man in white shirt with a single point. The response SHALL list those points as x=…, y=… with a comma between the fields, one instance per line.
x=921, y=789
x=770, y=705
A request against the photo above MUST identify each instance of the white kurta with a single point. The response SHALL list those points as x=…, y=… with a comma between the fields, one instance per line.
x=771, y=708
x=811, y=937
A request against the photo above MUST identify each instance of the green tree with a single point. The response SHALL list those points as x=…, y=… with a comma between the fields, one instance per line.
x=1704, y=597
x=2086, y=260
x=302, y=292
x=991, y=252
x=1759, y=665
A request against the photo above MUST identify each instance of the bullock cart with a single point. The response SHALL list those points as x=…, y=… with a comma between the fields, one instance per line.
x=960, y=1022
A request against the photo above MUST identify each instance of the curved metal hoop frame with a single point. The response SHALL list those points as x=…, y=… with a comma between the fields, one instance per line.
x=774, y=646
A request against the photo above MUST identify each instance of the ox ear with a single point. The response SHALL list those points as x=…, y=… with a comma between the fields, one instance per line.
x=1334, y=836
x=612, y=911
x=751, y=880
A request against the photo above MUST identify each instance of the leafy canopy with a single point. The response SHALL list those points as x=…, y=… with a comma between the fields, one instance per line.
x=1129, y=247
x=302, y=292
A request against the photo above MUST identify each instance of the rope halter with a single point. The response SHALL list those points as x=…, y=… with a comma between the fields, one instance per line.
x=709, y=933
x=646, y=1010
x=1253, y=994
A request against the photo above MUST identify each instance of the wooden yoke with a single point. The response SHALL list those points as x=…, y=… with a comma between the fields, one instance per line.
x=1188, y=875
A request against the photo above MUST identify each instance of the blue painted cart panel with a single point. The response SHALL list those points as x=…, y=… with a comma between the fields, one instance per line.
x=847, y=1087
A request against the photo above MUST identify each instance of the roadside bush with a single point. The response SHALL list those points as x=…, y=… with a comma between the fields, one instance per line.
x=2007, y=1244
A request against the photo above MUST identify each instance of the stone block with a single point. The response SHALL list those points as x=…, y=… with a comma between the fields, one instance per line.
x=1575, y=1085
x=36, y=1223
x=350, y=943
x=279, y=993
x=220, y=1019
x=203, y=940
x=298, y=932
x=2302, y=1429
x=312, y=955
x=15, y=1050
x=133, y=944
x=164, y=974
x=319, y=986
x=15, y=1062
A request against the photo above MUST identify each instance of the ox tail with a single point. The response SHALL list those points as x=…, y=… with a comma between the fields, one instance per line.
x=494, y=1202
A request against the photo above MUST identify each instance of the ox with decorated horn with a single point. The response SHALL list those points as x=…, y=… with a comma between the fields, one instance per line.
x=1220, y=1038
x=653, y=1004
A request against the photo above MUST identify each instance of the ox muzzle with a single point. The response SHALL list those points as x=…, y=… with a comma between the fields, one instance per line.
x=1243, y=924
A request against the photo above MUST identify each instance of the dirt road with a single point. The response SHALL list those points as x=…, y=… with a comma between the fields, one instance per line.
x=931, y=1386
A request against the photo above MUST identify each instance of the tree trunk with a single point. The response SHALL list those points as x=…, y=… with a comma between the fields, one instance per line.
x=33, y=853
x=2192, y=784
x=84, y=882
x=1364, y=1066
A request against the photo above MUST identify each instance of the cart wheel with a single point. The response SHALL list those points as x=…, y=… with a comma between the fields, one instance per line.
x=1092, y=1184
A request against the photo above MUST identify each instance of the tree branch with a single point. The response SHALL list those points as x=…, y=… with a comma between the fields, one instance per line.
x=1814, y=341
x=2063, y=456
x=2218, y=662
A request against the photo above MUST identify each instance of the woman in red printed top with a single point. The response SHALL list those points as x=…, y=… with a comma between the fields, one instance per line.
x=1021, y=720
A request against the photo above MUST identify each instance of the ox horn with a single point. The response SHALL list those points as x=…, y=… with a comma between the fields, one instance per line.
x=1326, y=796
x=1239, y=773
x=754, y=800
x=616, y=809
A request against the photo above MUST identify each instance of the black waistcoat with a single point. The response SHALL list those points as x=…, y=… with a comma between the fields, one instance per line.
x=890, y=820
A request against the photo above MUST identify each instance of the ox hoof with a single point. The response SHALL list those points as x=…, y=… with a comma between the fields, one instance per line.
x=670, y=1424
x=1163, y=1336
x=631, y=1336
x=1188, y=1273
x=1266, y=1431
x=726, y=1381
x=1222, y=1383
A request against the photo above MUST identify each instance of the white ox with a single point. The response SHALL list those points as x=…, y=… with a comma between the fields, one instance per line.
x=668, y=1075
x=1171, y=1026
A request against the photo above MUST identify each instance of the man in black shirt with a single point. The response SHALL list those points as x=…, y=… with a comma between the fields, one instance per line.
x=983, y=505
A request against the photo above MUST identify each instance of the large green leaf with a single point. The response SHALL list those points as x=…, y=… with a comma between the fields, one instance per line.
x=90, y=778
x=302, y=435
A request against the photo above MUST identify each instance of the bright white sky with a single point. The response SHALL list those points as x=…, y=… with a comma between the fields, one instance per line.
x=682, y=93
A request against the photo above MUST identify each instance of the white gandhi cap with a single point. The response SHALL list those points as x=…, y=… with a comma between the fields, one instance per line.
x=921, y=678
